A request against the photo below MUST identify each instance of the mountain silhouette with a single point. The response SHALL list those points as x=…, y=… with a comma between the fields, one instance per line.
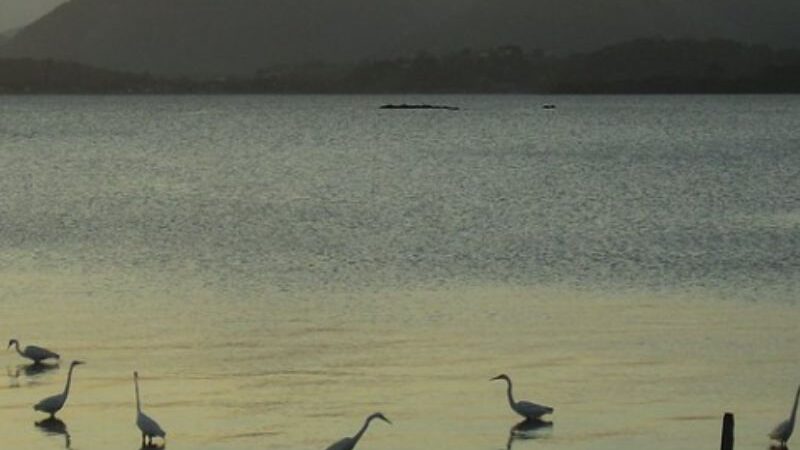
x=210, y=38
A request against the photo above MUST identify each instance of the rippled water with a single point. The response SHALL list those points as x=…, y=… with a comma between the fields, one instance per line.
x=279, y=267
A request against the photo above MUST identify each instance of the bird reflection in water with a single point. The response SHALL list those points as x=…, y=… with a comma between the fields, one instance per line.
x=32, y=370
x=54, y=426
x=529, y=429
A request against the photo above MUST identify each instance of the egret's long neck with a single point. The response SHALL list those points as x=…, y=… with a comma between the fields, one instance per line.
x=16, y=346
x=69, y=381
x=138, y=404
x=794, y=407
x=362, y=430
x=510, y=395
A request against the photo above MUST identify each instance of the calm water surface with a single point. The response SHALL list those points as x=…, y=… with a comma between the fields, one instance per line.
x=279, y=267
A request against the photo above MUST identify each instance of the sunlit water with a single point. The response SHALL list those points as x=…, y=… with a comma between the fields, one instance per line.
x=277, y=268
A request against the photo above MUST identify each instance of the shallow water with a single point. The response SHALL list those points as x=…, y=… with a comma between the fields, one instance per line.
x=622, y=372
x=277, y=268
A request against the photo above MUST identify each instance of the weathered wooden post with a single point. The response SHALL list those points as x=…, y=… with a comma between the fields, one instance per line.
x=727, y=432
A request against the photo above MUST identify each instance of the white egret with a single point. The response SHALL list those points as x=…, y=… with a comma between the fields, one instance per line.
x=37, y=354
x=53, y=404
x=147, y=426
x=524, y=408
x=349, y=443
x=783, y=431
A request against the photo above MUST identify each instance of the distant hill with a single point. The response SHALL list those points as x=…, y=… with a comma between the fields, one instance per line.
x=18, y=13
x=209, y=38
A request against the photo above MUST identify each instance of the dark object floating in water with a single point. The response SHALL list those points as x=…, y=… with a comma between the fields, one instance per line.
x=419, y=106
x=548, y=106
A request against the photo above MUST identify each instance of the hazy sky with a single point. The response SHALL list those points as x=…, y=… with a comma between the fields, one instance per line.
x=16, y=13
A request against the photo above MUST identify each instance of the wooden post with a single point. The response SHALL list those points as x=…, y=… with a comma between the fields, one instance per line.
x=727, y=432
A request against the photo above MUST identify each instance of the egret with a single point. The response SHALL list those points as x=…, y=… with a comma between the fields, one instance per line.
x=783, y=431
x=53, y=404
x=524, y=408
x=37, y=354
x=349, y=443
x=147, y=426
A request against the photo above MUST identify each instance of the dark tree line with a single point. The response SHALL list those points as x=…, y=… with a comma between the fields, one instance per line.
x=22, y=76
x=640, y=66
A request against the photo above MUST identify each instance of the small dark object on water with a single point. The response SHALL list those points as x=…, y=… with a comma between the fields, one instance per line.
x=419, y=106
x=548, y=106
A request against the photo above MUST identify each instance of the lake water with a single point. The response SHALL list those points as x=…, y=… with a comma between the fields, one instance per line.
x=279, y=267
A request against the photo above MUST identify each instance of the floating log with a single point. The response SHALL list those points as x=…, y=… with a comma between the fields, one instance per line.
x=419, y=106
